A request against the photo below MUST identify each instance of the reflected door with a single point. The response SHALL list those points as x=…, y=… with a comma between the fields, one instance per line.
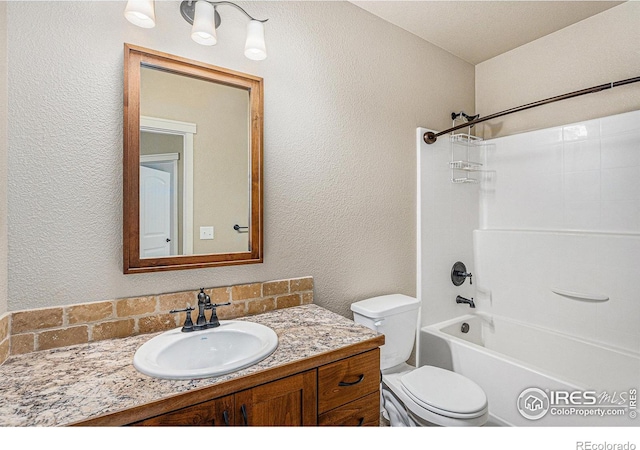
x=155, y=213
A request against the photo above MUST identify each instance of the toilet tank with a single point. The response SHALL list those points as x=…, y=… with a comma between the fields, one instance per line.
x=396, y=317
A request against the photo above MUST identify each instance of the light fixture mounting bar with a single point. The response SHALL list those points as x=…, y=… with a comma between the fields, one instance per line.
x=188, y=8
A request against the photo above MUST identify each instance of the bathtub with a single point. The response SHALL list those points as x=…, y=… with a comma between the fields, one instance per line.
x=586, y=384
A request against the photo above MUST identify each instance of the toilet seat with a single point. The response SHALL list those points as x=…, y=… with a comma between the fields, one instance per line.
x=418, y=410
x=444, y=392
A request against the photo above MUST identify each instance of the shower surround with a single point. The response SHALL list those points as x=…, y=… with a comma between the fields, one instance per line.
x=552, y=236
x=560, y=210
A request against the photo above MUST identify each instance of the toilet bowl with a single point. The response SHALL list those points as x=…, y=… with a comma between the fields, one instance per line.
x=422, y=396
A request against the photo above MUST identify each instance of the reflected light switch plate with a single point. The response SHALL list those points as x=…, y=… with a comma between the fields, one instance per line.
x=206, y=233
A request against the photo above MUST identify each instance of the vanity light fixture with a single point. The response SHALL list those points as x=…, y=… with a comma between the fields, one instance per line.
x=204, y=17
x=141, y=13
x=203, y=30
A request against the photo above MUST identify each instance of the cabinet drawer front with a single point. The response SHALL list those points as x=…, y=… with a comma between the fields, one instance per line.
x=344, y=381
x=364, y=412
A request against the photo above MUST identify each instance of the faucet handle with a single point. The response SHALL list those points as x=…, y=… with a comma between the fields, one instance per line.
x=213, y=320
x=188, y=323
x=215, y=305
x=459, y=274
x=209, y=305
x=189, y=308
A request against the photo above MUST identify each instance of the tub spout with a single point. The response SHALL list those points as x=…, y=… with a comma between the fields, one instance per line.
x=460, y=299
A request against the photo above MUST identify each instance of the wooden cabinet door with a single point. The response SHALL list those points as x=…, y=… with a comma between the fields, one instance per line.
x=217, y=412
x=290, y=401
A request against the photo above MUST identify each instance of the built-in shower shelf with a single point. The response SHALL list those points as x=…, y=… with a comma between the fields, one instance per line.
x=468, y=166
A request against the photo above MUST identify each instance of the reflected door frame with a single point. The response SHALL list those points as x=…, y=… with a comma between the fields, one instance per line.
x=187, y=131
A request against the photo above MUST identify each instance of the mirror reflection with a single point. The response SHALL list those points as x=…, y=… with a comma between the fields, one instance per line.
x=192, y=174
x=195, y=177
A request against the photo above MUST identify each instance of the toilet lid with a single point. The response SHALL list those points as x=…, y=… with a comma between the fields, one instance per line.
x=444, y=392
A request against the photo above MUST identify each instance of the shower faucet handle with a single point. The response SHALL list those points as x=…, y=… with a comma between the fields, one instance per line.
x=459, y=274
x=465, y=275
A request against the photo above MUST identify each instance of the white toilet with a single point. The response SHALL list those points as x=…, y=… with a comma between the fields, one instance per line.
x=423, y=396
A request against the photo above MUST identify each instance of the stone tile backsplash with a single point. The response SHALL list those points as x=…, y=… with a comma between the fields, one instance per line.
x=4, y=337
x=42, y=329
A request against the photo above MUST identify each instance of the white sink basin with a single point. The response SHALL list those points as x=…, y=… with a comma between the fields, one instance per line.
x=205, y=353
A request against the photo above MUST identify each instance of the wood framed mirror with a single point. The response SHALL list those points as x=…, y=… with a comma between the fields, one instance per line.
x=192, y=175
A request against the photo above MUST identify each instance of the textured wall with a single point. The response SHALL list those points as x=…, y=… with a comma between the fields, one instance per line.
x=344, y=93
x=3, y=158
x=597, y=50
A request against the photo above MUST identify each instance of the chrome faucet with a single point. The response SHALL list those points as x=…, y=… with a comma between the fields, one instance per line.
x=460, y=299
x=204, y=303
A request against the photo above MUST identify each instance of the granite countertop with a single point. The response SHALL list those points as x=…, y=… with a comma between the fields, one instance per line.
x=66, y=385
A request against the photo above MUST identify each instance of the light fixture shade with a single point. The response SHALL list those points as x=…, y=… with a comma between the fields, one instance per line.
x=141, y=13
x=204, y=29
x=255, y=47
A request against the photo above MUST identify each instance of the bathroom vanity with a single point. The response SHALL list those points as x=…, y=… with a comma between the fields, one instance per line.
x=341, y=393
x=325, y=371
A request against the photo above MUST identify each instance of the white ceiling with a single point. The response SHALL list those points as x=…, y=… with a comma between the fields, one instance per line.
x=479, y=30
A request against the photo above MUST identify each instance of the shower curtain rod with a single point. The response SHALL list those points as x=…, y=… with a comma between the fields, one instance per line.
x=430, y=137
